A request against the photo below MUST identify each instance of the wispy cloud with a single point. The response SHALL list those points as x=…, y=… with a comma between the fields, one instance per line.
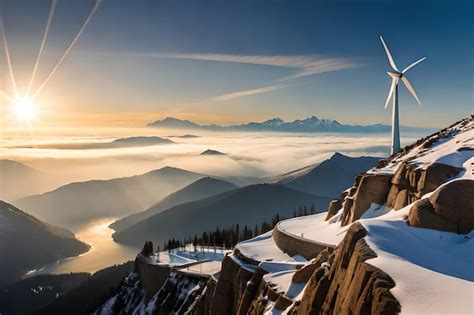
x=303, y=65
x=229, y=96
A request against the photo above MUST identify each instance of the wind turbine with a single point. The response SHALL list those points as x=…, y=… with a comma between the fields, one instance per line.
x=396, y=76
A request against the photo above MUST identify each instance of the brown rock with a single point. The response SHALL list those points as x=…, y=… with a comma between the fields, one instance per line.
x=422, y=215
x=455, y=202
x=282, y=303
x=450, y=208
x=334, y=206
x=304, y=274
x=435, y=175
x=350, y=286
x=373, y=188
x=402, y=199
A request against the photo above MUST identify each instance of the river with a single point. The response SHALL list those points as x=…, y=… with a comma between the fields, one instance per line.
x=103, y=253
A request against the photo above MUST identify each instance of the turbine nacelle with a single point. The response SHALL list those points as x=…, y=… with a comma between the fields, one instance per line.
x=395, y=75
x=398, y=75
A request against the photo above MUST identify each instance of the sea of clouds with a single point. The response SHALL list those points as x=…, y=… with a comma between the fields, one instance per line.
x=77, y=157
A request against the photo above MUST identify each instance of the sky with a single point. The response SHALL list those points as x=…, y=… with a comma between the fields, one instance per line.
x=237, y=61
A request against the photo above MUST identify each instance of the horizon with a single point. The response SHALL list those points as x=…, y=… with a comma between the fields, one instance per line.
x=192, y=71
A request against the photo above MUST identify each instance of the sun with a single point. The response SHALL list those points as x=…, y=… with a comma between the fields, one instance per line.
x=23, y=108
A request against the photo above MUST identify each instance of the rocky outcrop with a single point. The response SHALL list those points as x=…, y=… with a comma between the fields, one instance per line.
x=350, y=285
x=152, y=276
x=410, y=183
x=304, y=274
x=231, y=286
x=450, y=208
x=368, y=189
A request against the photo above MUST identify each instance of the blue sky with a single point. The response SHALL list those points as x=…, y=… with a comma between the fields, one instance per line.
x=234, y=61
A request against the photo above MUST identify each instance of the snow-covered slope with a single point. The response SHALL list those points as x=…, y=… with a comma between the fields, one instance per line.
x=433, y=270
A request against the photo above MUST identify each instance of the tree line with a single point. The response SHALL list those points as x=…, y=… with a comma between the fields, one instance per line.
x=227, y=237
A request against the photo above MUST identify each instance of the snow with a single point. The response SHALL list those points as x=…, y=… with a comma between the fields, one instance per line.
x=450, y=150
x=263, y=248
x=281, y=283
x=315, y=228
x=428, y=266
x=273, y=267
x=433, y=270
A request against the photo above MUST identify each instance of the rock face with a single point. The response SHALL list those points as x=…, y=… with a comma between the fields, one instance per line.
x=410, y=183
x=407, y=184
x=230, y=289
x=350, y=285
x=450, y=208
x=371, y=188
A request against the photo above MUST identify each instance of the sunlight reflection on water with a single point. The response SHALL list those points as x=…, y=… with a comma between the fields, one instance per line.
x=104, y=251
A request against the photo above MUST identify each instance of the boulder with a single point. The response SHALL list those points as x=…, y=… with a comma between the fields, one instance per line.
x=422, y=215
x=373, y=188
x=334, y=206
x=434, y=176
x=304, y=274
x=450, y=208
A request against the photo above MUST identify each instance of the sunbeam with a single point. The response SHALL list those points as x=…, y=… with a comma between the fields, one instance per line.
x=7, y=55
x=43, y=42
x=91, y=14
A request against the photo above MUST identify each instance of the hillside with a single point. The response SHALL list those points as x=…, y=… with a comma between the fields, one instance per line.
x=202, y=188
x=212, y=152
x=29, y=294
x=329, y=177
x=90, y=294
x=79, y=202
x=27, y=243
x=18, y=180
x=248, y=205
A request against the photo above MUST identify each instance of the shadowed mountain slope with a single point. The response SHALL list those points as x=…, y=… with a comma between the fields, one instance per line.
x=330, y=177
x=27, y=243
x=202, y=188
x=79, y=202
x=17, y=180
x=248, y=205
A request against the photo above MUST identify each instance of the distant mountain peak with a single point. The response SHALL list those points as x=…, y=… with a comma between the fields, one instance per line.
x=212, y=152
x=308, y=124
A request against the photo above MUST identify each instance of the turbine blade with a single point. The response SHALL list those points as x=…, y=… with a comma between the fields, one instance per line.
x=390, y=92
x=390, y=59
x=413, y=64
x=411, y=89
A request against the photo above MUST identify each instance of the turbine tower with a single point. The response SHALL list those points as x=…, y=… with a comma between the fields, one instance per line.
x=396, y=76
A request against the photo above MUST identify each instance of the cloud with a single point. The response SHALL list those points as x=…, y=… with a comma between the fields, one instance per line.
x=304, y=65
x=229, y=96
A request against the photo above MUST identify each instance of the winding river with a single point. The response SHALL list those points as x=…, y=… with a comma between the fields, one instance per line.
x=103, y=253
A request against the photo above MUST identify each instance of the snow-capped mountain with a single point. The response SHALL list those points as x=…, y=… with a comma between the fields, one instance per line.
x=310, y=124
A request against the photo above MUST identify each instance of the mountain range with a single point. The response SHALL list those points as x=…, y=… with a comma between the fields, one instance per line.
x=26, y=243
x=310, y=124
